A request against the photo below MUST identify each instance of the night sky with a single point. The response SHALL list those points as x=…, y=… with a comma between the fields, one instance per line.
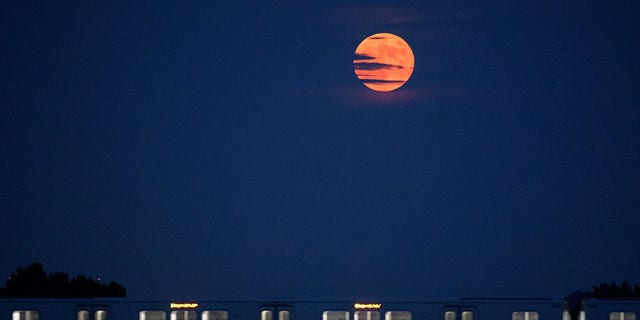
x=227, y=149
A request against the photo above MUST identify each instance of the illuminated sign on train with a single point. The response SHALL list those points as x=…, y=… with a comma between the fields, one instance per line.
x=367, y=305
x=188, y=305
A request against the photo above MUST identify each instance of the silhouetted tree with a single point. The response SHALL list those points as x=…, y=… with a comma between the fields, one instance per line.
x=82, y=286
x=114, y=289
x=58, y=284
x=28, y=282
x=613, y=290
x=33, y=281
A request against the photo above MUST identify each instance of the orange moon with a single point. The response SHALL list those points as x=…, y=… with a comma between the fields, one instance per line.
x=383, y=62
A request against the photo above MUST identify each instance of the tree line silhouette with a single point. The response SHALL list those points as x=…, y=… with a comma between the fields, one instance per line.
x=33, y=281
x=605, y=291
x=608, y=291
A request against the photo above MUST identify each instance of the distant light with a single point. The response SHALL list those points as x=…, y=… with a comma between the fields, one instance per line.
x=367, y=305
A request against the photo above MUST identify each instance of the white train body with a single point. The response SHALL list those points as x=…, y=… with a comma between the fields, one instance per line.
x=291, y=309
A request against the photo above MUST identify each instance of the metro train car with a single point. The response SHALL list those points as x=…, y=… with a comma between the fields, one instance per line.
x=289, y=309
x=608, y=309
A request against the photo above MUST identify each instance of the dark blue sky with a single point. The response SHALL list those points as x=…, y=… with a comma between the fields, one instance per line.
x=228, y=149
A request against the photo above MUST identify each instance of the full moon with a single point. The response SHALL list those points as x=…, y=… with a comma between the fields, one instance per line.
x=383, y=62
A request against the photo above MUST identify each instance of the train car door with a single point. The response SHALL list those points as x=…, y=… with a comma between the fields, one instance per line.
x=459, y=312
x=91, y=312
x=276, y=312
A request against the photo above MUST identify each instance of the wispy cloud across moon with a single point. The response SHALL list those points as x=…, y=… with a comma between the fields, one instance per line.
x=363, y=57
x=375, y=66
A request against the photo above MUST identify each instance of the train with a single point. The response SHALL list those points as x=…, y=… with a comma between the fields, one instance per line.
x=311, y=309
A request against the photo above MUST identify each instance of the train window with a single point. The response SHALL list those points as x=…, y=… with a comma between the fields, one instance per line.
x=525, y=315
x=215, y=315
x=366, y=315
x=100, y=315
x=335, y=315
x=83, y=315
x=25, y=315
x=467, y=315
x=397, y=315
x=622, y=316
x=450, y=315
x=183, y=315
x=153, y=315
x=284, y=315
x=266, y=315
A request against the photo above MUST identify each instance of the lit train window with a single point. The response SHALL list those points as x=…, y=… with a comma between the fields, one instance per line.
x=183, y=315
x=83, y=315
x=525, y=315
x=25, y=315
x=153, y=315
x=215, y=315
x=366, y=315
x=467, y=315
x=266, y=315
x=284, y=315
x=335, y=315
x=450, y=315
x=397, y=315
x=622, y=316
x=101, y=315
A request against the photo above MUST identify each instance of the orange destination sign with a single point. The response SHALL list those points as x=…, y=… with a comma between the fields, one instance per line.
x=367, y=305
x=188, y=305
